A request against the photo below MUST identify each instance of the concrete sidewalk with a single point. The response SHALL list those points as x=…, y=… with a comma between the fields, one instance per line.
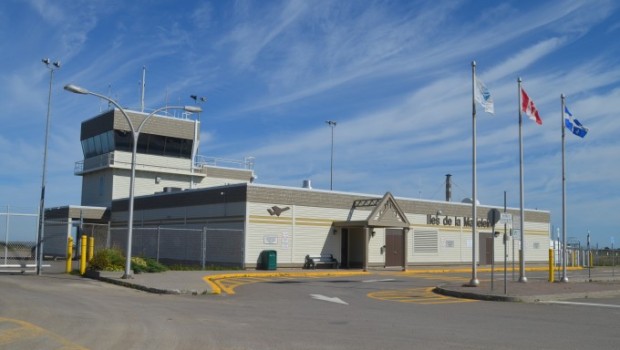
x=168, y=282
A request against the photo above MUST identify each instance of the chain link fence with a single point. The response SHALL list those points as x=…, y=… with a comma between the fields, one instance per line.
x=18, y=240
x=183, y=246
x=605, y=257
x=582, y=257
x=602, y=262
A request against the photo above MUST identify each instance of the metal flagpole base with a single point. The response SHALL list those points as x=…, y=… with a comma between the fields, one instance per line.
x=523, y=279
x=474, y=282
x=564, y=279
x=127, y=277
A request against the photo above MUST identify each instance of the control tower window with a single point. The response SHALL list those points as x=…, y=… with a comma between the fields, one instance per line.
x=120, y=140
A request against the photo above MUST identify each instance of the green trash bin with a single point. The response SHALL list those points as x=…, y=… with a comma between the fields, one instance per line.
x=269, y=260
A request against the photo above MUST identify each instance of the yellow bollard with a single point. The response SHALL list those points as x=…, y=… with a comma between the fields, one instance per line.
x=69, y=255
x=551, y=265
x=91, y=248
x=83, y=255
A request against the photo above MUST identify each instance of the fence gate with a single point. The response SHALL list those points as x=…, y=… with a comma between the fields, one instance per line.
x=18, y=245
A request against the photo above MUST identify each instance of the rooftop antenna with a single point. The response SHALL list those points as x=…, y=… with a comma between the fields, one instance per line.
x=166, y=96
x=109, y=94
x=143, y=87
x=448, y=187
x=198, y=99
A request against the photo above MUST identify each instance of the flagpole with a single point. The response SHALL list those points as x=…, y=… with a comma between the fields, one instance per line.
x=564, y=277
x=474, y=282
x=522, y=277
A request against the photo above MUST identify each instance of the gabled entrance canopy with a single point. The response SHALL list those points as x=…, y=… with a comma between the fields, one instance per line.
x=387, y=213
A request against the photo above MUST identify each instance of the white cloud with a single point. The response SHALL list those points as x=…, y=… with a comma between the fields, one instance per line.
x=49, y=11
x=524, y=58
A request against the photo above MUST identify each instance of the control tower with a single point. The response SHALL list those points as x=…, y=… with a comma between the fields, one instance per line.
x=166, y=159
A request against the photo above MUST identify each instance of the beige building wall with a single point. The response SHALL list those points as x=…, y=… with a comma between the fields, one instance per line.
x=297, y=232
x=153, y=175
x=98, y=188
x=303, y=230
x=304, y=226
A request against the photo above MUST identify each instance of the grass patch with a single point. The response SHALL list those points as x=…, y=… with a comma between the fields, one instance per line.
x=140, y=265
x=114, y=260
x=107, y=260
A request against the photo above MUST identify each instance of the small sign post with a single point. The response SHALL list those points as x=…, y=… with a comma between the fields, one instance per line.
x=505, y=218
x=493, y=216
x=613, y=259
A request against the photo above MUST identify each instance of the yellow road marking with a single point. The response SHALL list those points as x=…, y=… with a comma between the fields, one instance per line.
x=423, y=295
x=443, y=278
x=218, y=284
x=14, y=333
x=228, y=285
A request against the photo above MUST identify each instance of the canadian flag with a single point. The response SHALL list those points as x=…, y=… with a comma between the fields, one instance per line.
x=528, y=106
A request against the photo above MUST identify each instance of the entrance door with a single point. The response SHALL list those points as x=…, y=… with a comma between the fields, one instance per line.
x=394, y=247
x=485, y=249
x=344, y=248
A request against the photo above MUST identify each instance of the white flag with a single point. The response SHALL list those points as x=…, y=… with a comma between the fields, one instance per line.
x=483, y=96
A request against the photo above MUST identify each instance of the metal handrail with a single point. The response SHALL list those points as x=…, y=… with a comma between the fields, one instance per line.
x=246, y=163
x=107, y=159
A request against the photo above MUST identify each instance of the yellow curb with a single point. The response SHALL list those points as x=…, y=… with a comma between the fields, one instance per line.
x=215, y=288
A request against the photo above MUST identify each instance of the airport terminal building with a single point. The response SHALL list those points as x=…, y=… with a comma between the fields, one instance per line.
x=195, y=210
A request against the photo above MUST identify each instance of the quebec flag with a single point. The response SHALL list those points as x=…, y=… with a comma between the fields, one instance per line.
x=573, y=124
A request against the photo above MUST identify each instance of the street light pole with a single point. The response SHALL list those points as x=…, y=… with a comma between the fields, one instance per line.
x=135, y=134
x=589, y=257
x=52, y=67
x=332, y=124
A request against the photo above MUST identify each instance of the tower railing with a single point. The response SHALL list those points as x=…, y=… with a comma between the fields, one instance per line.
x=105, y=160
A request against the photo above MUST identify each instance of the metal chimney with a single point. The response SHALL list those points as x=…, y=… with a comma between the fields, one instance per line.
x=448, y=187
x=307, y=184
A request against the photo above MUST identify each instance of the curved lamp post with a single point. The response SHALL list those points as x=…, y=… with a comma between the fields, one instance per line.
x=135, y=134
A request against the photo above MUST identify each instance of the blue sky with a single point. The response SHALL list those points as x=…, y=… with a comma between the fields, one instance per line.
x=395, y=75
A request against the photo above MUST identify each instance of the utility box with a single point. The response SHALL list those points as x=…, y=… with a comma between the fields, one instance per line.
x=268, y=260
